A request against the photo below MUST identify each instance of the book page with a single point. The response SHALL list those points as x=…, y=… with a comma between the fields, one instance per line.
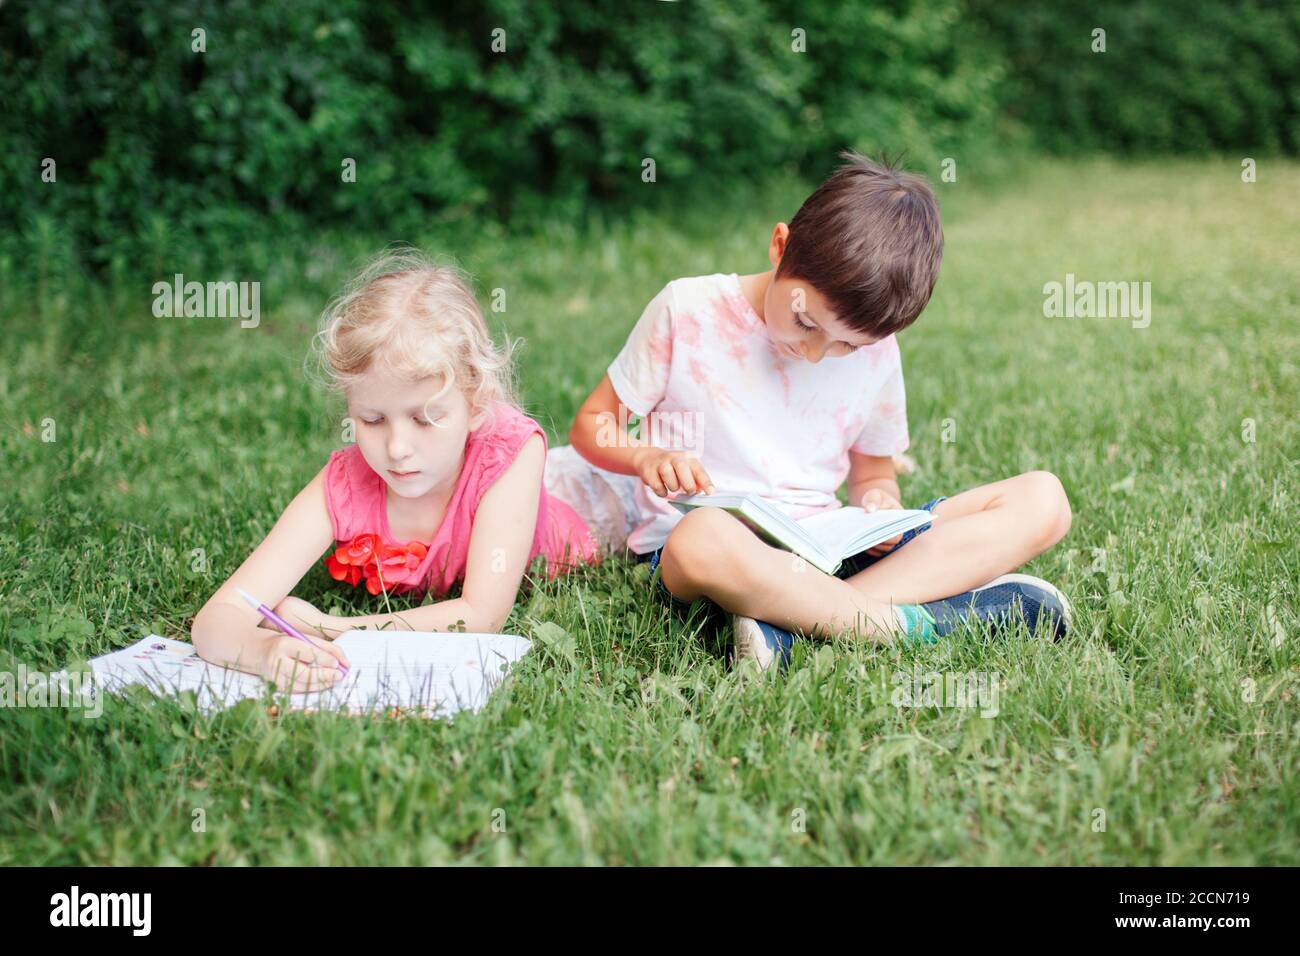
x=768, y=521
x=850, y=530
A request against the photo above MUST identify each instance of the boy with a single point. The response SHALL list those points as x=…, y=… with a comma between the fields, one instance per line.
x=783, y=384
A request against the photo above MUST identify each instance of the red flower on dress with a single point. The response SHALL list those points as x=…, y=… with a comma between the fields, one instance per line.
x=381, y=565
x=406, y=556
x=360, y=550
x=341, y=571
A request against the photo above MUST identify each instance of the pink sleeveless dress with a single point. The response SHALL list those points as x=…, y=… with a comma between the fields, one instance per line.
x=357, y=499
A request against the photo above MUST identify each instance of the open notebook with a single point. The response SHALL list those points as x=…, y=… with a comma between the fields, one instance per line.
x=825, y=539
x=432, y=674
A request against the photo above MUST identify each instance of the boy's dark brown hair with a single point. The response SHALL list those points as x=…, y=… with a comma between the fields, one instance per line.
x=869, y=240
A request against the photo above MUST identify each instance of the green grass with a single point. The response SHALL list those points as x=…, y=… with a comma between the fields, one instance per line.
x=624, y=737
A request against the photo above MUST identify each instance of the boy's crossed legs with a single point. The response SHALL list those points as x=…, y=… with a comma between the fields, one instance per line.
x=975, y=537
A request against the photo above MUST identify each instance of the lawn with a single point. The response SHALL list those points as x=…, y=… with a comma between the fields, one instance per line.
x=1163, y=730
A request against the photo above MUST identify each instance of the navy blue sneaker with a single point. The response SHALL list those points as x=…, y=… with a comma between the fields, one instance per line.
x=761, y=642
x=1000, y=602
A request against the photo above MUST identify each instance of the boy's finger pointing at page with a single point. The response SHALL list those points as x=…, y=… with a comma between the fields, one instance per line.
x=702, y=479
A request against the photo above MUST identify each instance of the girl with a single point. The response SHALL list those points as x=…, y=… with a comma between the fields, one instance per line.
x=443, y=485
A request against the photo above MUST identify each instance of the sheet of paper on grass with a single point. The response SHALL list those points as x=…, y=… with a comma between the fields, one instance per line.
x=435, y=675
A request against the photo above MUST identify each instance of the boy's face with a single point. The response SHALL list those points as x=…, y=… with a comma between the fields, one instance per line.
x=800, y=322
x=413, y=443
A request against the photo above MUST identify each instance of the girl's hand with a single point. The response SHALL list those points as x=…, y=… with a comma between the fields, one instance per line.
x=295, y=666
x=672, y=471
x=308, y=619
x=877, y=500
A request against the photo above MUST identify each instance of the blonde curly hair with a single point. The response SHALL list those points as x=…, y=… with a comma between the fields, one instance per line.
x=419, y=319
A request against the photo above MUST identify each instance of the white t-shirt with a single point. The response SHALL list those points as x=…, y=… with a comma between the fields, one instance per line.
x=701, y=361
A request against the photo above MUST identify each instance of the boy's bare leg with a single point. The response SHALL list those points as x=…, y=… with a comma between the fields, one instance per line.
x=976, y=536
x=710, y=553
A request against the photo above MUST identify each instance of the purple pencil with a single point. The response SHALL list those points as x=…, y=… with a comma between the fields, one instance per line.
x=280, y=623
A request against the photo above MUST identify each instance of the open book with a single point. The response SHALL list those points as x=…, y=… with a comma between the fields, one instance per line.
x=825, y=539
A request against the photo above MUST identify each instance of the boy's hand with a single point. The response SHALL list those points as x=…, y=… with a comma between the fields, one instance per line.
x=874, y=499
x=667, y=472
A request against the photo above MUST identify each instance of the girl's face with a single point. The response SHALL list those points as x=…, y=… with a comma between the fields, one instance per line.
x=415, y=445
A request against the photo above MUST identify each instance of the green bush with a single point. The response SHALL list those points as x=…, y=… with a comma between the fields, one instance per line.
x=164, y=153
x=161, y=148
x=1213, y=76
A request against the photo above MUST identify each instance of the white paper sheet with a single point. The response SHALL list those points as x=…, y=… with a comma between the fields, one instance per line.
x=431, y=674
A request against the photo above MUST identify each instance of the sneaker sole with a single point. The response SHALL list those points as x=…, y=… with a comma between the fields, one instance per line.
x=750, y=643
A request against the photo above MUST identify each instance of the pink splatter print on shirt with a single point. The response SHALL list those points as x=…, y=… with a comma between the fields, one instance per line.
x=780, y=366
x=688, y=328
x=879, y=351
x=660, y=348
x=717, y=392
x=735, y=317
x=840, y=417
